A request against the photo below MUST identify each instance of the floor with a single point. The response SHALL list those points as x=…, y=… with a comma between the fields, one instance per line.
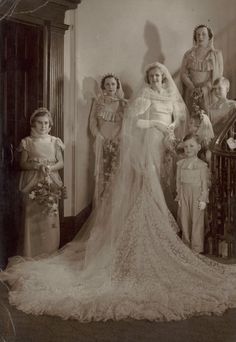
x=52, y=329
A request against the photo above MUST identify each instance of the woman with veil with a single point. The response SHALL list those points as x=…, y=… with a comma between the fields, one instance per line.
x=128, y=261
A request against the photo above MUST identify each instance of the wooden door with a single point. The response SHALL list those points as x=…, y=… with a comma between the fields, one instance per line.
x=21, y=92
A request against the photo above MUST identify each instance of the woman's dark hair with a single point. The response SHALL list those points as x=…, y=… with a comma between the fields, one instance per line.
x=223, y=80
x=110, y=76
x=210, y=33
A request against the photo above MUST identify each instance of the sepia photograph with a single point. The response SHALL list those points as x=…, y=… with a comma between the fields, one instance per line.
x=117, y=171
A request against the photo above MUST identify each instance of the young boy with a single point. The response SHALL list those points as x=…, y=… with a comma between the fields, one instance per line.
x=221, y=109
x=200, y=125
x=192, y=194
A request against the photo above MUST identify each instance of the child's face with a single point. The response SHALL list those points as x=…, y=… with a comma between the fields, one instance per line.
x=42, y=125
x=193, y=126
x=191, y=148
x=110, y=86
x=221, y=90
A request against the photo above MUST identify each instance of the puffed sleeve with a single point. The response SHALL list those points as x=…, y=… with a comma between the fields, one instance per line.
x=59, y=144
x=24, y=145
x=218, y=64
x=93, y=124
x=204, y=174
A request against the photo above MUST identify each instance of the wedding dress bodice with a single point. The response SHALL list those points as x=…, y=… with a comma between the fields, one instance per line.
x=161, y=110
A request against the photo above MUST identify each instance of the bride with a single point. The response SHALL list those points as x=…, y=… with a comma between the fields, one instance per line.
x=128, y=262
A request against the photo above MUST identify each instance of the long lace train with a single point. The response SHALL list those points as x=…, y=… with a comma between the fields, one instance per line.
x=151, y=275
x=128, y=262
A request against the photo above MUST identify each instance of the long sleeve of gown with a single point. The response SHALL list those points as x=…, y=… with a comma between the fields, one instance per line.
x=218, y=65
x=140, y=106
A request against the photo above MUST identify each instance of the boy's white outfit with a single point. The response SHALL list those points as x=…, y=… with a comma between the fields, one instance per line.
x=192, y=188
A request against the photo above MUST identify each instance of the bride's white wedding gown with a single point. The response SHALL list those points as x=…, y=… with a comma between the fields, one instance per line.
x=128, y=261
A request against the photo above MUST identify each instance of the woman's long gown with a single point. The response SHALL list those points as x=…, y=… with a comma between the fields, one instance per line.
x=128, y=261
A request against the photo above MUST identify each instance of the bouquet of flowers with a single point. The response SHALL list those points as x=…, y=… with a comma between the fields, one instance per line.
x=197, y=95
x=46, y=193
x=170, y=141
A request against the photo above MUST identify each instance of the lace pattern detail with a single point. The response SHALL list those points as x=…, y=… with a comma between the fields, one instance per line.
x=151, y=275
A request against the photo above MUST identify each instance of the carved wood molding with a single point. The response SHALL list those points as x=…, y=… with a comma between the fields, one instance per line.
x=39, y=11
x=219, y=145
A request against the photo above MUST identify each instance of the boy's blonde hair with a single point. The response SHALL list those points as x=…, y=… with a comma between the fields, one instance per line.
x=222, y=80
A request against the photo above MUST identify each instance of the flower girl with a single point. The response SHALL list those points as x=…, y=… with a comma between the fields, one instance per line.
x=41, y=186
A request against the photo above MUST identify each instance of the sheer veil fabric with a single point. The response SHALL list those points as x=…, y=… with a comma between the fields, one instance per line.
x=128, y=261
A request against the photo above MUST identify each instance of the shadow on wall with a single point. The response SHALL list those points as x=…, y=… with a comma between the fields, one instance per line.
x=128, y=91
x=225, y=40
x=80, y=143
x=153, y=42
x=90, y=90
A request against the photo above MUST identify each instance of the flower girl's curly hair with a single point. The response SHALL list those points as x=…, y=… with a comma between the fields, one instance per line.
x=41, y=111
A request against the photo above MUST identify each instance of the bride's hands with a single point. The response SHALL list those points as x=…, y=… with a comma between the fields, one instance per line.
x=171, y=128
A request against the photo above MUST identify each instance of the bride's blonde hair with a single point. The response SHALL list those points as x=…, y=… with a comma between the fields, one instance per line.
x=154, y=66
